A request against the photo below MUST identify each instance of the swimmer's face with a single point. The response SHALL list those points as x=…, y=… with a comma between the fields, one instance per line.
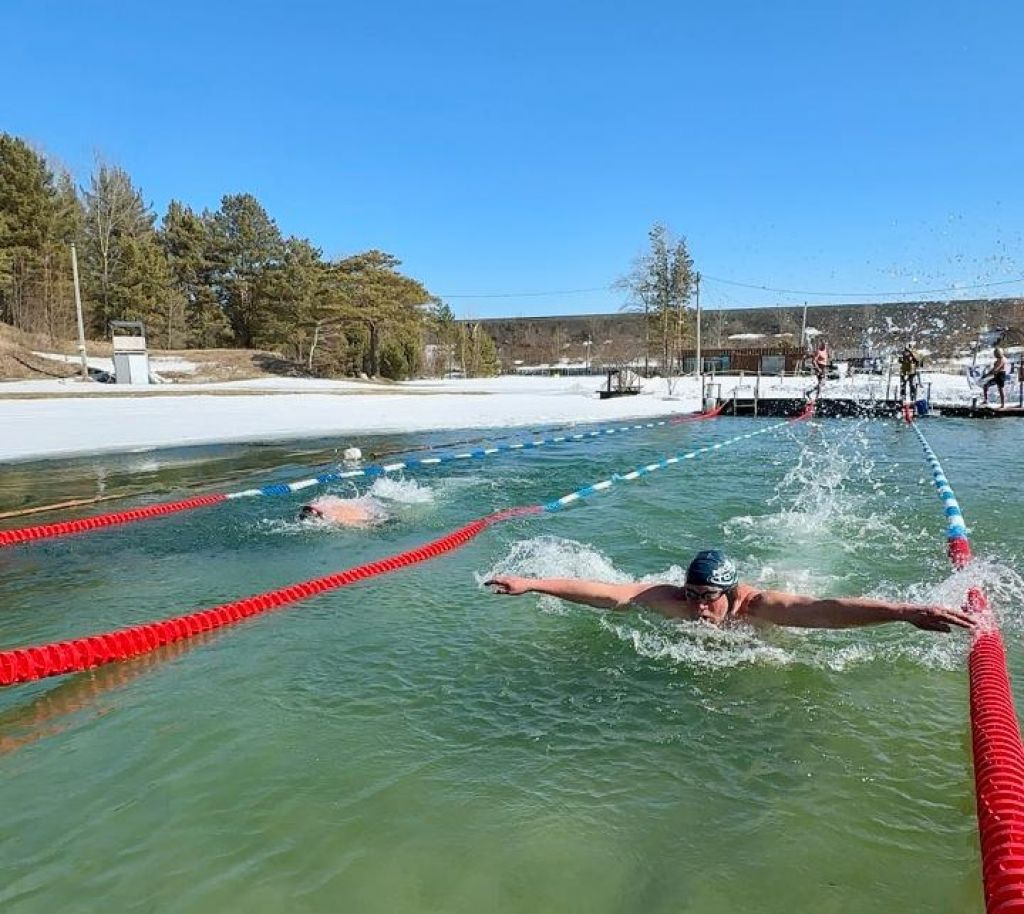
x=308, y=511
x=712, y=602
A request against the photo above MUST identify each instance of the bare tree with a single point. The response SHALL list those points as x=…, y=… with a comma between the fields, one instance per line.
x=660, y=285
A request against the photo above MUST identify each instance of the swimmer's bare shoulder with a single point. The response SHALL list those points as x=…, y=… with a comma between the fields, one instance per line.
x=748, y=601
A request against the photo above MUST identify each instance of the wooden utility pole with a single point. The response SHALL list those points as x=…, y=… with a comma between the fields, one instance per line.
x=700, y=361
x=78, y=312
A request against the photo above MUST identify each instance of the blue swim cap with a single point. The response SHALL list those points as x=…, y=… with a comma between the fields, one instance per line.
x=712, y=568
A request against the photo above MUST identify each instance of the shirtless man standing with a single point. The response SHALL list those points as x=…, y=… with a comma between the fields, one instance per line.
x=997, y=375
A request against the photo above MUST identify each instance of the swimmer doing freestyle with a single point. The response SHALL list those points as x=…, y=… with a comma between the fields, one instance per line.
x=345, y=512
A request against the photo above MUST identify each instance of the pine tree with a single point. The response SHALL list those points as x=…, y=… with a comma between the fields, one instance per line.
x=292, y=293
x=391, y=306
x=247, y=245
x=39, y=215
x=446, y=331
x=188, y=241
x=126, y=275
x=478, y=351
x=146, y=291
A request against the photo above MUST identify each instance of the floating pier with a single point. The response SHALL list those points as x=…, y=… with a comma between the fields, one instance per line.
x=846, y=407
x=789, y=407
x=982, y=412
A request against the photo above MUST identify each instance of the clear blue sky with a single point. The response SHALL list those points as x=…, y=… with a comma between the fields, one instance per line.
x=528, y=146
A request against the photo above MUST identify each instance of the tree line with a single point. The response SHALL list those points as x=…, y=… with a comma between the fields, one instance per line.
x=226, y=278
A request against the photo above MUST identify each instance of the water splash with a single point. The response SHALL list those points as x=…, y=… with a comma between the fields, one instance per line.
x=697, y=646
x=835, y=501
x=401, y=491
x=555, y=557
x=1002, y=584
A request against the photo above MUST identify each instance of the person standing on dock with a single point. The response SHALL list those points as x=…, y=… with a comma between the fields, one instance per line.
x=820, y=364
x=997, y=375
x=910, y=362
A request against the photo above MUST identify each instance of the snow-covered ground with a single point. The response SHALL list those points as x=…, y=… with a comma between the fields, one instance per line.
x=158, y=363
x=282, y=408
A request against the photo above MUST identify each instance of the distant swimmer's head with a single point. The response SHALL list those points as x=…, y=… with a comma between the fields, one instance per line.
x=711, y=570
x=309, y=511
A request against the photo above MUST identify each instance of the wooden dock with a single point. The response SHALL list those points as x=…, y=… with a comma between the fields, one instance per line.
x=828, y=408
x=981, y=412
x=842, y=407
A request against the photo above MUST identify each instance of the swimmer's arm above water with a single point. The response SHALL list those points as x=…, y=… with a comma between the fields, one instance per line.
x=849, y=612
x=590, y=593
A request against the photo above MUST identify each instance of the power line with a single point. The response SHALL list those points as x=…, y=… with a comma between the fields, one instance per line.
x=829, y=294
x=749, y=285
x=526, y=294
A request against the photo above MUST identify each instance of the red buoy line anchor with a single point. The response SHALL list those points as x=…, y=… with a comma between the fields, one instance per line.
x=995, y=731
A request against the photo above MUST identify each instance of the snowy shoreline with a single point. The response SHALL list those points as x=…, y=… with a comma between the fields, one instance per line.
x=186, y=414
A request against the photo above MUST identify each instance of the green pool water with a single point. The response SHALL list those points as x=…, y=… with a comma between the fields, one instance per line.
x=416, y=744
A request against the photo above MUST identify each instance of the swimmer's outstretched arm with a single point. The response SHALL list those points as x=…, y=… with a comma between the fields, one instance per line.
x=850, y=612
x=589, y=593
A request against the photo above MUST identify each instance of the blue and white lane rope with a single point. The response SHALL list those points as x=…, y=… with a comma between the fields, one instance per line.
x=596, y=487
x=956, y=528
x=380, y=469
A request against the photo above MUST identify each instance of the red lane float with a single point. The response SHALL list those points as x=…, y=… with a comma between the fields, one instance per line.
x=998, y=764
x=806, y=413
x=998, y=756
x=97, y=521
x=55, y=659
x=694, y=417
x=997, y=751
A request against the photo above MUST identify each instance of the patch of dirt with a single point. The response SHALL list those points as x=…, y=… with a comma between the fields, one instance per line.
x=229, y=365
x=18, y=363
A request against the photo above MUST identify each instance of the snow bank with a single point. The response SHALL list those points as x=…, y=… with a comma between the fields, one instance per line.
x=283, y=408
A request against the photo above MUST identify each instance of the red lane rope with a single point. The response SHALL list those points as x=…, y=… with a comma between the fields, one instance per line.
x=806, y=413
x=998, y=760
x=694, y=417
x=57, y=658
x=998, y=771
x=97, y=521
x=996, y=748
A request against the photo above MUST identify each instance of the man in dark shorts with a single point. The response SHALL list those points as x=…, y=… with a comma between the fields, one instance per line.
x=910, y=362
x=713, y=594
x=997, y=375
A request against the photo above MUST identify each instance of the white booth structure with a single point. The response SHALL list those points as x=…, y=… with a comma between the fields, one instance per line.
x=131, y=360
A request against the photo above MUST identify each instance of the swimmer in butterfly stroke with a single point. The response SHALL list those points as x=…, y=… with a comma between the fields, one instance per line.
x=713, y=593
